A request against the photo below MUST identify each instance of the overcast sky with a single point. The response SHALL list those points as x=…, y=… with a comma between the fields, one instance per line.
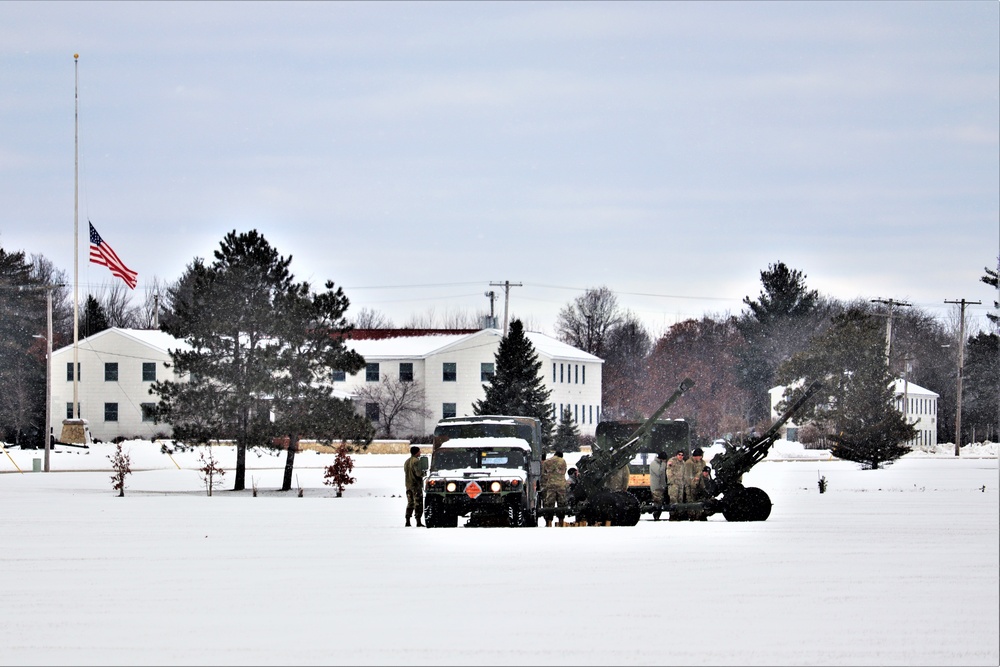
x=416, y=152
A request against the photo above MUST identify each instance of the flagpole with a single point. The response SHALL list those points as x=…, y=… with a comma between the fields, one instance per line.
x=76, y=235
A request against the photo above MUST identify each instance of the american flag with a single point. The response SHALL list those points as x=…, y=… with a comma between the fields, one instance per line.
x=101, y=253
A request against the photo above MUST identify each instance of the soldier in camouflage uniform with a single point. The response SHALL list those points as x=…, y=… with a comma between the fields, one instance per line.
x=678, y=482
x=554, y=485
x=414, y=486
x=702, y=488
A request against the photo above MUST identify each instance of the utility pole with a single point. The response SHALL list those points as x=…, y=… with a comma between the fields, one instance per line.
x=491, y=295
x=888, y=325
x=506, y=285
x=958, y=384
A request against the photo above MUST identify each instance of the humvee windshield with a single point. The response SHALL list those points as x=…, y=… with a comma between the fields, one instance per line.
x=484, y=430
x=453, y=459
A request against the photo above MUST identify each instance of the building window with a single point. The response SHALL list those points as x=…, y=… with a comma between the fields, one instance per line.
x=147, y=411
x=486, y=372
x=69, y=372
x=111, y=372
x=553, y=372
x=450, y=372
x=561, y=373
x=448, y=410
x=110, y=412
x=576, y=374
x=69, y=411
x=371, y=411
x=371, y=373
x=339, y=376
x=149, y=371
x=406, y=371
x=591, y=414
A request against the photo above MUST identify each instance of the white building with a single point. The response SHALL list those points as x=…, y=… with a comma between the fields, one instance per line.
x=452, y=369
x=117, y=368
x=917, y=404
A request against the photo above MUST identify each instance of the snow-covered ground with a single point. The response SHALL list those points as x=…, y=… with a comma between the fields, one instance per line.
x=895, y=566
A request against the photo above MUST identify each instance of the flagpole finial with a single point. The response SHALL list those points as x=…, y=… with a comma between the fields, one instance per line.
x=76, y=56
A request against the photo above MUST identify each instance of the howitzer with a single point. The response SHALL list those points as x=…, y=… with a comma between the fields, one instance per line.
x=592, y=501
x=739, y=503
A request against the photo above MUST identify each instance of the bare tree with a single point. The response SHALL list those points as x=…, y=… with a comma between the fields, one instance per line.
x=586, y=322
x=451, y=319
x=399, y=402
x=147, y=315
x=368, y=318
x=116, y=302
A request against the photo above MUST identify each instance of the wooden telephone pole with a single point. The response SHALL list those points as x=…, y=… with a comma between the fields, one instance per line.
x=958, y=384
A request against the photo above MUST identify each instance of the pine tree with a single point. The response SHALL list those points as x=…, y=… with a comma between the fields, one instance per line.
x=567, y=433
x=312, y=328
x=516, y=387
x=777, y=324
x=93, y=319
x=860, y=414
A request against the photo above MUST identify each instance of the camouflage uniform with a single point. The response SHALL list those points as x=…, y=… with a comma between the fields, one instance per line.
x=553, y=484
x=619, y=479
x=702, y=488
x=678, y=482
x=657, y=483
x=414, y=488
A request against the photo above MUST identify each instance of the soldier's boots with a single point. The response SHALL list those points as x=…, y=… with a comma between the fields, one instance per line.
x=407, y=523
x=419, y=524
x=656, y=516
x=548, y=522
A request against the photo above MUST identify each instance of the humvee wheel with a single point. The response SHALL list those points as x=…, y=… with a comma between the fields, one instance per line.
x=436, y=516
x=749, y=504
x=516, y=516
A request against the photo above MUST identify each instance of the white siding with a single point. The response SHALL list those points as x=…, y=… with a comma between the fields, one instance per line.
x=129, y=349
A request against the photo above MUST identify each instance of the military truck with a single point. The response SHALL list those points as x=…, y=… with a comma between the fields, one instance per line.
x=486, y=468
x=666, y=435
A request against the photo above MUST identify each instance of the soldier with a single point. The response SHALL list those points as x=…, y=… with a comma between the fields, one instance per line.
x=677, y=482
x=658, y=482
x=702, y=488
x=414, y=486
x=694, y=466
x=554, y=485
x=619, y=479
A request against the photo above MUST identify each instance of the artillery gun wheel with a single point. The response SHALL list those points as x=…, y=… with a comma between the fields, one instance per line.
x=620, y=508
x=749, y=504
x=631, y=511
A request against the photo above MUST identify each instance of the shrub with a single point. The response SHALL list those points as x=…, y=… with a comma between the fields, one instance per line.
x=121, y=467
x=339, y=473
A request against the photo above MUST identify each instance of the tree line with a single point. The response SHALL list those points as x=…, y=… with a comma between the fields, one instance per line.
x=787, y=333
x=236, y=304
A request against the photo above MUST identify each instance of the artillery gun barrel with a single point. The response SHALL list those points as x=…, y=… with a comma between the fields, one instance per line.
x=730, y=466
x=597, y=468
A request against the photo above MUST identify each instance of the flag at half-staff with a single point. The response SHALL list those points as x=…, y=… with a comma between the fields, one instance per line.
x=101, y=253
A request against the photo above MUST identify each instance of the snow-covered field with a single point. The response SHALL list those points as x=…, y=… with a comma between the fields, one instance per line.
x=896, y=566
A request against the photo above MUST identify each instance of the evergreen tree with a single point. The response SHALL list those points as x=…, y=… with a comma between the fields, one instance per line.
x=981, y=389
x=860, y=414
x=22, y=356
x=778, y=324
x=312, y=329
x=990, y=279
x=516, y=387
x=229, y=319
x=93, y=319
x=567, y=434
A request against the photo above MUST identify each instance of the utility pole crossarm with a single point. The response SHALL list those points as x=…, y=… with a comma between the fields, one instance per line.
x=506, y=285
